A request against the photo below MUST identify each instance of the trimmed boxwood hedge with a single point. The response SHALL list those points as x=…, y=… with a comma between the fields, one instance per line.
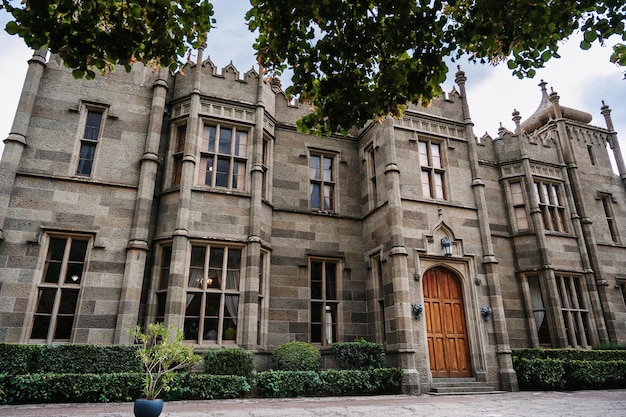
x=569, y=369
x=19, y=359
x=280, y=384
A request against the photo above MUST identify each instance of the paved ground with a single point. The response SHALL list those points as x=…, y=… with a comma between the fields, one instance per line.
x=609, y=403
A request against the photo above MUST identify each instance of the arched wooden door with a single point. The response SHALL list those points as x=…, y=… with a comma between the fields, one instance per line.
x=448, y=346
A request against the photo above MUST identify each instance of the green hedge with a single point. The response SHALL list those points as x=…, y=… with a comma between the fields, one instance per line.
x=571, y=354
x=194, y=386
x=359, y=354
x=569, y=369
x=16, y=359
x=63, y=388
x=297, y=356
x=116, y=387
x=281, y=384
x=229, y=361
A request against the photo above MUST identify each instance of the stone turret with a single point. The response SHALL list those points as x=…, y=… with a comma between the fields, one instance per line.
x=546, y=111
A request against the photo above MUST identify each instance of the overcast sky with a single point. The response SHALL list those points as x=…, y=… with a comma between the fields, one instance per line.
x=582, y=78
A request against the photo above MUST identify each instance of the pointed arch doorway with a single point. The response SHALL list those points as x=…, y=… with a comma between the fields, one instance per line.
x=448, y=346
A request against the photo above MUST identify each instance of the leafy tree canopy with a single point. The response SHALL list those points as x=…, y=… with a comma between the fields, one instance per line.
x=355, y=60
x=97, y=34
x=352, y=60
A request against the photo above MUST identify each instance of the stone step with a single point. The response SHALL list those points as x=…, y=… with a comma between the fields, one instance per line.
x=461, y=386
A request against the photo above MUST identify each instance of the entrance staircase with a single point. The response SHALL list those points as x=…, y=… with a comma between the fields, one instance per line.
x=461, y=386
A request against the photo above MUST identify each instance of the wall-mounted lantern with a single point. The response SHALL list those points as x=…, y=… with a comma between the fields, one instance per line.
x=486, y=312
x=446, y=245
x=417, y=310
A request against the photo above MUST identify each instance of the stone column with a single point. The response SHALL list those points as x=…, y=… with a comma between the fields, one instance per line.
x=508, y=379
x=175, y=304
x=614, y=143
x=15, y=143
x=584, y=229
x=250, y=289
x=138, y=245
x=398, y=312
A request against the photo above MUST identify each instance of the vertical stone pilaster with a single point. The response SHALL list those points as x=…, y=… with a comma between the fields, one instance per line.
x=508, y=379
x=400, y=328
x=250, y=290
x=15, y=143
x=136, y=254
x=175, y=304
x=587, y=241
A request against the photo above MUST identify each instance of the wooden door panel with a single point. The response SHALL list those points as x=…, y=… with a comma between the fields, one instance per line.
x=445, y=324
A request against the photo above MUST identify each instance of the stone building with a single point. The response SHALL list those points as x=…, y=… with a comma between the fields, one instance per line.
x=191, y=199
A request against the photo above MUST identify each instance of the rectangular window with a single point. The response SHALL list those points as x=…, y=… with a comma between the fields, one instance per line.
x=379, y=297
x=263, y=300
x=181, y=137
x=323, y=301
x=322, y=182
x=266, y=186
x=58, y=292
x=89, y=142
x=432, y=170
x=223, y=157
x=164, y=281
x=212, y=303
x=607, y=201
x=371, y=173
x=550, y=202
x=592, y=155
x=574, y=310
x=538, y=311
x=519, y=205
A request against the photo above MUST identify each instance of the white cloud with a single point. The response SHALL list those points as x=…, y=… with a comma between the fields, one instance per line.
x=582, y=78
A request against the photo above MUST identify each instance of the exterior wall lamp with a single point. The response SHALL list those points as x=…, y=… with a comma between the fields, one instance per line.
x=417, y=310
x=446, y=245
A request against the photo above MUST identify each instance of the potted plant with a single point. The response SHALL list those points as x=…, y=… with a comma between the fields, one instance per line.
x=162, y=352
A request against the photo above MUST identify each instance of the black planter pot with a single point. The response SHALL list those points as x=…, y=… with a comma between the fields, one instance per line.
x=148, y=408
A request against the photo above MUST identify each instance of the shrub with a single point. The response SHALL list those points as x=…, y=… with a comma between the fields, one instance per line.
x=88, y=359
x=361, y=382
x=541, y=374
x=18, y=359
x=279, y=384
x=297, y=356
x=359, y=354
x=596, y=374
x=229, y=361
x=57, y=388
x=194, y=386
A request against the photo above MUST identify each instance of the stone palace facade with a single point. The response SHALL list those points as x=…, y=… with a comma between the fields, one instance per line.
x=191, y=199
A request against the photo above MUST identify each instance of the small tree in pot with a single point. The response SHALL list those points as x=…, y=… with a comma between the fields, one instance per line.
x=162, y=352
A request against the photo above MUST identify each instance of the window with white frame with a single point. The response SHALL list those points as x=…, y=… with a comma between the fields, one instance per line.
x=59, y=289
x=324, y=301
x=551, y=204
x=519, y=205
x=321, y=181
x=223, y=156
x=89, y=142
x=212, y=294
x=574, y=309
x=432, y=169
